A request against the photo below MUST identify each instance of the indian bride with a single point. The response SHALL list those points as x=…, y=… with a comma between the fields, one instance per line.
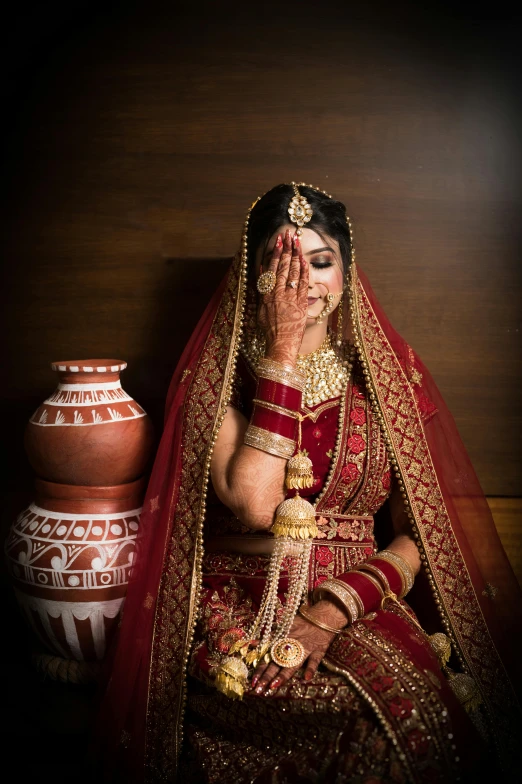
x=319, y=592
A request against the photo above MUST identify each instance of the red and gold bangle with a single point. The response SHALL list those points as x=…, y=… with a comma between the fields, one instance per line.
x=282, y=374
x=374, y=582
x=274, y=419
x=369, y=591
x=341, y=592
x=404, y=567
x=266, y=441
x=388, y=593
x=274, y=424
x=395, y=579
x=280, y=394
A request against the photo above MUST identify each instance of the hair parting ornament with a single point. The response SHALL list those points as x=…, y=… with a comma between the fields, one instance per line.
x=295, y=525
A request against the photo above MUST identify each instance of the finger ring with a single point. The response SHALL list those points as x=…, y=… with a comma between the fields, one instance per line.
x=292, y=284
x=266, y=282
x=288, y=652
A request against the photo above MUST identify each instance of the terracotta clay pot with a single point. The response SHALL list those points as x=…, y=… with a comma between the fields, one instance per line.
x=89, y=431
x=69, y=556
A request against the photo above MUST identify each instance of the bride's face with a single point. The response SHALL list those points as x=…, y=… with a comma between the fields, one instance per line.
x=324, y=262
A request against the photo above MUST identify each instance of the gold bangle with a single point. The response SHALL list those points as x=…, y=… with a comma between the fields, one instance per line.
x=401, y=574
x=373, y=581
x=359, y=602
x=282, y=374
x=319, y=624
x=388, y=593
x=276, y=408
x=339, y=590
x=403, y=567
x=269, y=442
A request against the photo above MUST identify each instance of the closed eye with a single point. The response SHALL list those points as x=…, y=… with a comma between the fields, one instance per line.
x=321, y=263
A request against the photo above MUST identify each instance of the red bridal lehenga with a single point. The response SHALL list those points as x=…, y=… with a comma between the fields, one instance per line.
x=380, y=708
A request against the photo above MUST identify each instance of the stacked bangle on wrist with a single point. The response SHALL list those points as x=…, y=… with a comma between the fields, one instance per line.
x=404, y=569
x=274, y=421
x=364, y=589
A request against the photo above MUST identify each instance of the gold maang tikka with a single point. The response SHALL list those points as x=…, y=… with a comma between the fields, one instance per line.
x=299, y=210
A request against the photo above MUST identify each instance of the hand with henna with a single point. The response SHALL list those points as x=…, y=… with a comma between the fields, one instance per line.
x=315, y=641
x=282, y=313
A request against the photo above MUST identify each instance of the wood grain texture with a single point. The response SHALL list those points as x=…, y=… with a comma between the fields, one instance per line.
x=136, y=143
x=507, y=514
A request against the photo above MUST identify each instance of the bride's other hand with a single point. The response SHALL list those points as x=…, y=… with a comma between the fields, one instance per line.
x=315, y=641
x=282, y=313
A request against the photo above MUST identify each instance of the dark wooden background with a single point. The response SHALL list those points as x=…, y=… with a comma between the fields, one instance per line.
x=138, y=134
x=135, y=136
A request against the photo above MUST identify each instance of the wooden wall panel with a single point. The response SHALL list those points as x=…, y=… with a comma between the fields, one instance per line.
x=138, y=139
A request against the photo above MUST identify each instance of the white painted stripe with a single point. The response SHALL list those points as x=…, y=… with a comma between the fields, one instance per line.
x=86, y=403
x=41, y=512
x=87, y=424
x=90, y=387
x=89, y=368
x=54, y=587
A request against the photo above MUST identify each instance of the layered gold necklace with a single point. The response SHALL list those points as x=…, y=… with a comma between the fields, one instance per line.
x=327, y=369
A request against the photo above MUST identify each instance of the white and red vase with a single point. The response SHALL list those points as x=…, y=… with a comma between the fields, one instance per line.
x=89, y=431
x=70, y=553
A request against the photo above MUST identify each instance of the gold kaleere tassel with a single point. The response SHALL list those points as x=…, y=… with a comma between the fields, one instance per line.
x=464, y=688
x=231, y=677
x=462, y=685
x=299, y=469
x=441, y=645
x=295, y=518
x=294, y=529
x=299, y=472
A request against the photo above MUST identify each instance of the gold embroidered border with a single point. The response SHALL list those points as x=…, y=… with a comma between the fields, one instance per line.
x=347, y=656
x=179, y=591
x=455, y=597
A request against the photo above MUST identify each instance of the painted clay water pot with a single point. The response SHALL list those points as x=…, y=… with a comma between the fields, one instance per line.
x=89, y=431
x=69, y=555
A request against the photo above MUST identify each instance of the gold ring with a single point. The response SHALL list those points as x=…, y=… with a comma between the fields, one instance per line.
x=292, y=284
x=266, y=282
x=288, y=652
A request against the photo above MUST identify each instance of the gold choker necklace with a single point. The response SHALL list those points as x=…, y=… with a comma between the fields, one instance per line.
x=327, y=369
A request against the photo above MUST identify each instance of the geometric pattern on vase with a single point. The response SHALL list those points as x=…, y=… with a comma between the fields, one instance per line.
x=70, y=572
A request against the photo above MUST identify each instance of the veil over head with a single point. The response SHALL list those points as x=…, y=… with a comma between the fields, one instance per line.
x=467, y=587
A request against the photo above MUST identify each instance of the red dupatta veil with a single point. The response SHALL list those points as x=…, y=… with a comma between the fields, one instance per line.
x=468, y=589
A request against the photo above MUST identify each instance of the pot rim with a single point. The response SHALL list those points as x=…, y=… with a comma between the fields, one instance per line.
x=89, y=365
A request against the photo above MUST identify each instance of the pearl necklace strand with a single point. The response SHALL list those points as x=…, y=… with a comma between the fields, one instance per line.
x=327, y=369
